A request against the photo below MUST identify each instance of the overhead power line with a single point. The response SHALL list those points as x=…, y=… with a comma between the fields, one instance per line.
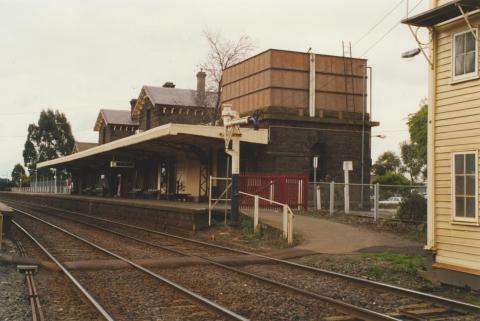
x=388, y=31
x=378, y=23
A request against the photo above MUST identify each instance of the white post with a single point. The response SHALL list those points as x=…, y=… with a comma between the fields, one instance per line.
x=375, y=200
x=290, y=228
x=255, y=214
x=210, y=202
x=319, y=198
x=285, y=221
x=311, y=87
x=346, y=192
x=299, y=198
x=347, y=167
x=332, y=197
x=55, y=182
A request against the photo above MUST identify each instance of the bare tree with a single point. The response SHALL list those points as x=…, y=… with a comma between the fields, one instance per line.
x=222, y=53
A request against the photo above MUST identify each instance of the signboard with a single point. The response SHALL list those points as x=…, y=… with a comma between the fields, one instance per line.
x=122, y=164
x=348, y=166
x=315, y=162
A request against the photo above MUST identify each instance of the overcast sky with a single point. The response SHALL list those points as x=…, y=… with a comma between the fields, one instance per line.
x=80, y=56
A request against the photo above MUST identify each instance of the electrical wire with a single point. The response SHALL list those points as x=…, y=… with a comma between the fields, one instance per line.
x=388, y=31
x=378, y=23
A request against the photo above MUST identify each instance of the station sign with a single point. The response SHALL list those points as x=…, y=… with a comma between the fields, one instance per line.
x=315, y=162
x=122, y=164
x=348, y=166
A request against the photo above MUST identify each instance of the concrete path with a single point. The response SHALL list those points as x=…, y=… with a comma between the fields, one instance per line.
x=325, y=236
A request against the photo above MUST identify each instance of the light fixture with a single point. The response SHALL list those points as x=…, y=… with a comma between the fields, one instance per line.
x=411, y=53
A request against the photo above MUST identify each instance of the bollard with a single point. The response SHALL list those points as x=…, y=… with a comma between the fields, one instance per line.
x=256, y=227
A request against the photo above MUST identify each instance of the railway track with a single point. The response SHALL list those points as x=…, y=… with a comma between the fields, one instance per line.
x=422, y=307
x=182, y=301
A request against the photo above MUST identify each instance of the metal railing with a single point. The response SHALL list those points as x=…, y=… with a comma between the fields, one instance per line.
x=223, y=197
x=287, y=219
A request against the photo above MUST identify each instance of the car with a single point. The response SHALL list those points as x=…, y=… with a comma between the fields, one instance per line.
x=393, y=200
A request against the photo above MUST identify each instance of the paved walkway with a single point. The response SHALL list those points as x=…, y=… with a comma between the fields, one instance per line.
x=325, y=236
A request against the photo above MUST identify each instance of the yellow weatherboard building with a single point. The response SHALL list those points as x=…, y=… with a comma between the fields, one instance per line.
x=453, y=138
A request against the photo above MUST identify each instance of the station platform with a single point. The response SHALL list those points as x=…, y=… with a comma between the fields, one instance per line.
x=155, y=214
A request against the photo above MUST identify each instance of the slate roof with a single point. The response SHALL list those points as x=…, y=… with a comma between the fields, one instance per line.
x=178, y=97
x=115, y=117
x=81, y=146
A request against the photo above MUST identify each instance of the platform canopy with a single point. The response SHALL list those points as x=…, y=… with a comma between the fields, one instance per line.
x=450, y=10
x=166, y=140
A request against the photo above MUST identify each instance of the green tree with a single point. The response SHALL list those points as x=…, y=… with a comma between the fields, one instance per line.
x=411, y=163
x=418, y=128
x=18, y=173
x=5, y=184
x=388, y=162
x=50, y=138
x=396, y=185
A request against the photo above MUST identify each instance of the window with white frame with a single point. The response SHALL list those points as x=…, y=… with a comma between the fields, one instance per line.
x=465, y=186
x=465, y=56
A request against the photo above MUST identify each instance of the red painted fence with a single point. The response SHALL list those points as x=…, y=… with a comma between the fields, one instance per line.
x=291, y=189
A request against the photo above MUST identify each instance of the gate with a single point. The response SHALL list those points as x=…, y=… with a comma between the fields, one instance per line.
x=291, y=189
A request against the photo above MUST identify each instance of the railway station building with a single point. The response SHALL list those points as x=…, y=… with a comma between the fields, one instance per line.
x=166, y=145
x=453, y=233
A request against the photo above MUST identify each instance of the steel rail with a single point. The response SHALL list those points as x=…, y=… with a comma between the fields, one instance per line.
x=341, y=306
x=401, y=290
x=206, y=302
x=92, y=301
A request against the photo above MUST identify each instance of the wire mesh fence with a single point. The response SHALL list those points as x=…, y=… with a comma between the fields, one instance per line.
x=402, y=202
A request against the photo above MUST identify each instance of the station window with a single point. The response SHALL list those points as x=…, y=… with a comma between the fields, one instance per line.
x=465, y=186
x=465, y=48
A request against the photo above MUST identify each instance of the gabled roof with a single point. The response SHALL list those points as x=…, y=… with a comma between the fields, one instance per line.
x=81, y=146
x=165, y=96
x=442, y=13
x=114, y=117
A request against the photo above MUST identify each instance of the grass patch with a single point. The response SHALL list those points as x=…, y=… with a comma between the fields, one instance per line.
x=391, y=263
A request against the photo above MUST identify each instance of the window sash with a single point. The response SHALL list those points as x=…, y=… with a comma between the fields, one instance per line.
x=464, y=186
x=465, y=58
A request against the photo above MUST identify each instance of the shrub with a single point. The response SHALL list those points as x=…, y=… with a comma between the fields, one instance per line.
x=392, y=179
x=413, y=208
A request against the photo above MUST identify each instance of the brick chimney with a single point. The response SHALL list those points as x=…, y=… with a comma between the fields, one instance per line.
x=169, y=84
x=201, y=75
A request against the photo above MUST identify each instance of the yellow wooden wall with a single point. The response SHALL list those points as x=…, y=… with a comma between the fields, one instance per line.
x=457, y=128
x=188, y=171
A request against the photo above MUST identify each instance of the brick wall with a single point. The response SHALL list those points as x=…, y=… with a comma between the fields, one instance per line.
x=161, y=115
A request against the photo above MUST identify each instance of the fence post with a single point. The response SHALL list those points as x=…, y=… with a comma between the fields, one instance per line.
x=285, y=221
x=319, y=197
x=332, y=197
x=290, y=228
x=255, y=214
x=375, y=201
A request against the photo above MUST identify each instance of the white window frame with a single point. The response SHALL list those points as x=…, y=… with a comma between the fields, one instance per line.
x=471, y=75
x=454, y=217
